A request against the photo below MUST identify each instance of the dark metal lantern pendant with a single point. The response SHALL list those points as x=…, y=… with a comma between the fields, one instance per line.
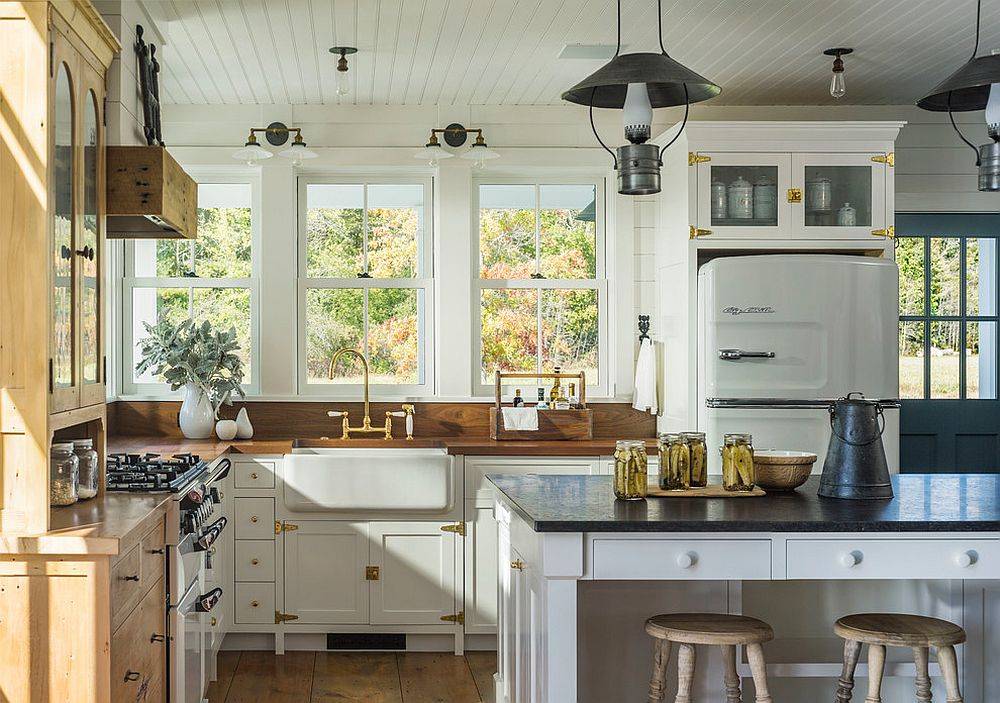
x=638, y=169
x=665, y=80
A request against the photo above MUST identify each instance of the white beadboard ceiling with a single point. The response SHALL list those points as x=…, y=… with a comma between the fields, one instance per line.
x=504, y=52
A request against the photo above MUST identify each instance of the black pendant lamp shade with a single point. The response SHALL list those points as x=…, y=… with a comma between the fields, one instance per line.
x=969, y=87
x=665, y=80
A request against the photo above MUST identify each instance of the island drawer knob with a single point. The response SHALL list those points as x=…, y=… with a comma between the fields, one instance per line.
x=965, y=559
x=253, y=476
x=253, y=518
x=851, y=559
x=255, y=561
x=254, y=603
x=686, y=560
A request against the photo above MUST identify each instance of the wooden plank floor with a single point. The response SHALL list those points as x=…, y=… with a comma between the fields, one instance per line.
x=343, y=677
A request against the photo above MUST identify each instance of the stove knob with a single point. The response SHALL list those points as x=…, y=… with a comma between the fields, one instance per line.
x=215, y=495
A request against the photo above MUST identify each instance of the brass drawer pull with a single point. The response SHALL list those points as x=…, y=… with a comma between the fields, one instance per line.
x=254, y=603
x=214, y=622
x=254, y=562
x=253, y=476
x=253, y=518
x=157, y=638
x=156, y=551
x=130, y=578
x=132, y=675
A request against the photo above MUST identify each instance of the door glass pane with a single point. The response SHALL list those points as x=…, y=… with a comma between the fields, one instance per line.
x=945, y=268
x=334, y=231
x=911, y=359
x=838, y=196
x=62, y=253
x=510, y=331
x=981, y=360
x=334, y=320
x=910, y=259
x=569, y=331
x=225, y=308
x=945, y=353
x=744, y=196
x=980, y=276
x=568, y=227
x=395, y=227
x=90, y=304
x=393, y=335
x=223, y=246
x=506, y=231
x=149, y=307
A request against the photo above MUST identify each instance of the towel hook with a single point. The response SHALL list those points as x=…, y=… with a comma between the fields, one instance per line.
x=643, y=327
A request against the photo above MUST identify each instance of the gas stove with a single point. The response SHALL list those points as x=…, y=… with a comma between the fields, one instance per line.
x=148, y=473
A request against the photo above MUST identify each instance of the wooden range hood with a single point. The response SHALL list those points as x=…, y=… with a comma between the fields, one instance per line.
x=149, y=196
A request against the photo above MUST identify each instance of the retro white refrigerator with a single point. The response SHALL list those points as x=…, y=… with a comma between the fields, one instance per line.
x=780, y=334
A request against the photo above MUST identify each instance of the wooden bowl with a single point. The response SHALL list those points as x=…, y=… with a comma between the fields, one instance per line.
x=779, y=470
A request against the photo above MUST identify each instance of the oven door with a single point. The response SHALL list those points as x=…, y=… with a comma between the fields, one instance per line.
x=187, y=649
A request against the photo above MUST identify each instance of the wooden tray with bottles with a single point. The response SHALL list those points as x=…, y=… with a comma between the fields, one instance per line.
x=575, y=423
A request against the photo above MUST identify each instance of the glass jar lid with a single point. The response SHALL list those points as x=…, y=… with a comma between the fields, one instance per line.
x=83, y=443
x=630, y=444
x=738, y=438
x=693, y=435
x=62, y=448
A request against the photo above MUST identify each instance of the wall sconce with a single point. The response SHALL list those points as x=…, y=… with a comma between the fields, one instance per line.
x=276, y=134
x=455, y=135
x=343, y=83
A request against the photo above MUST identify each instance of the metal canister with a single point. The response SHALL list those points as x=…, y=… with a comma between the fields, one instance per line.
x=638, y=169
x=740, y=199
x=719, y=205
x=989, y=167
x=819, y=194
x=765, y=197
x=847, y=216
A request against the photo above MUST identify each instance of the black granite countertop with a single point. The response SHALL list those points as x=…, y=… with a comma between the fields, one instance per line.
x=922, y=503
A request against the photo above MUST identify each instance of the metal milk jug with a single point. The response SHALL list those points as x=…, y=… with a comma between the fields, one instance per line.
x=740, y=199
x=855, y=466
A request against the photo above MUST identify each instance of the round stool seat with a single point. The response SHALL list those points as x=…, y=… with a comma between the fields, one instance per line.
x=709, y=628
x=899, y=630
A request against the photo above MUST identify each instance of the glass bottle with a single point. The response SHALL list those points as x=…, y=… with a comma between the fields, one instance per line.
x=698, y=451
x=87, y=484
x=518, y=400
x=675, y=463
x=630, y=469
x=64, y=467
x=737, y=463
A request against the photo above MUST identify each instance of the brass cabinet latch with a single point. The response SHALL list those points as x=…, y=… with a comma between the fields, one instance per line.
x=887, y=233
x=371, y=573
x=280, y=617
x=694, y=158
x=458, y=617
x=795, y=195
x=695, y=232
x=887, y=159
x=280, y=527
x=517, y=564
x=458, y=528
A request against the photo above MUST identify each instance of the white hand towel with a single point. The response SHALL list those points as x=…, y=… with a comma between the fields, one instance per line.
x=524, y=419
x=644, y=398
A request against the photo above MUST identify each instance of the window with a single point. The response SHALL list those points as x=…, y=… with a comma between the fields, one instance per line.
x=540, y=281
x=211, y=278
x=948, y=298
x=365, y=283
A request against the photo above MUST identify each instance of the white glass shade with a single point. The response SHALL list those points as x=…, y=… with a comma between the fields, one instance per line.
x=480, y=154
x=252, y=153
x=637, y=113
x=993, y=109
x=298, y=153
x=432, y=154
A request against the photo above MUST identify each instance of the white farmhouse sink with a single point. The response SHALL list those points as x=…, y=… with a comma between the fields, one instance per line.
x=348, y=479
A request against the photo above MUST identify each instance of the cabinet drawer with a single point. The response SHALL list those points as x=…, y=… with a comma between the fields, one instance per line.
x=137, y=661
x=687, y=560
x=254, y=603
x=254, y=560
x=253, y=474
x=152, y=558
x=254, y=518
x=893, y=558
x=126, y=585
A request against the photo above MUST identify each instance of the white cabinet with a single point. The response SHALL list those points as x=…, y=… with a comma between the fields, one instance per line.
x=726, y=202
x=843, y=196
x=325, y=572
x=481, y=549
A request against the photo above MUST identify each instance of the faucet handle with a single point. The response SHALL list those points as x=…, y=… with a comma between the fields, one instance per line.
x=336, y=413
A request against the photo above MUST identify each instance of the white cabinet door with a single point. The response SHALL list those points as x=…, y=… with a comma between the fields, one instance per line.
x=325, y=562
x=506, y=610
x=481, y=549
x=744, y=196
x=416, y=562
x=523, y=660
x=843, y=196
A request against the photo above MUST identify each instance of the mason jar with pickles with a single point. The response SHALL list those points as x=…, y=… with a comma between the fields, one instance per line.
x=630, y=469
x=737, y=463
x=675, y=462
x=698, y=453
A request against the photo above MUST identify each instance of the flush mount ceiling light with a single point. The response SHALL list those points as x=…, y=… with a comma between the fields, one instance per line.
x=276, y=134
x=343, y=83
x=973, y=87
x=636, y=84
x=455, y=135
x=838, y=88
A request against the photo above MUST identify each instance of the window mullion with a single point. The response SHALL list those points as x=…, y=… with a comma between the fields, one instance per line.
x=364, y=230
x=962, y=327
x=538, y=231
x=927, y=312
x=538, y=323
x=364, y=323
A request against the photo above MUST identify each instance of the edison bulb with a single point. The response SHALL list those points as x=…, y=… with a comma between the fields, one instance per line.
x=637, y=114
x=837, y=86
x=343, y=83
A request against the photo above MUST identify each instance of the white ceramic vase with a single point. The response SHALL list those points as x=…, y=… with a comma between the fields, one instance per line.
x=225, y=429
x=197, y=418
x=244, y=430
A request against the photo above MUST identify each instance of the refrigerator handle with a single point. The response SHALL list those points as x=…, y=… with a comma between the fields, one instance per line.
x=737, y=354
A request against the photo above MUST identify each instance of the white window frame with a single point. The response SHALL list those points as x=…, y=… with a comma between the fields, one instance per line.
x=599, y=388
x=423, y=283
x=130, y=281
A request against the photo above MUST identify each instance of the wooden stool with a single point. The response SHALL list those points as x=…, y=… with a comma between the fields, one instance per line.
x=919, y=633
x=726, y=631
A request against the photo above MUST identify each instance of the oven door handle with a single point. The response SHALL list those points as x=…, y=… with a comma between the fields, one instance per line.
x=205, y=603
x=225, y=472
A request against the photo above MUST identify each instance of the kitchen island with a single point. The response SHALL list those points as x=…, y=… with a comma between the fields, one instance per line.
x=580, y=572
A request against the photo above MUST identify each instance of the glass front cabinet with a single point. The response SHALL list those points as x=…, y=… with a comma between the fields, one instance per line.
x=791, y=196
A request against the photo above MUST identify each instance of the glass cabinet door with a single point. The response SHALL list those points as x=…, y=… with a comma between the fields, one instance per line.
x=63, y=349
x=843, y=196
x=88, y=253
x=743, y=196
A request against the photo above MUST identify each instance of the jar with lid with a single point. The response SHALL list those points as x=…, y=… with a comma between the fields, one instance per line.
x=87, y=485
x=737, y=463
x=740, y=199
x=765, y=198
x=698, y=452
x=719, y=209
x=64, y=467
x=675, y=462
x=847, y=216
x=819, y=194
x=630, y=469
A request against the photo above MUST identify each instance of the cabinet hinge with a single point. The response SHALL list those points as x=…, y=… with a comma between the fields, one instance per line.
x=280, y=527
x=280, y=617
x=694, y=158
x=887, y=159
x=887, y=233
x=458, y=528
x=371, y=573
x=694, y=232
x=458, y=617
x=795, y=195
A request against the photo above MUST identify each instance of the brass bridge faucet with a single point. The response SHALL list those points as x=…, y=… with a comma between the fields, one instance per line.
x=366, y=423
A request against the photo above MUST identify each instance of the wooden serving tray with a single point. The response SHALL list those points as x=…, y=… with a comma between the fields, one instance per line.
x=552, y=425
x=713, y=490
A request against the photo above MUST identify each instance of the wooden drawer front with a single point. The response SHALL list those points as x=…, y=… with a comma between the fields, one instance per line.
x=687, y=560
x=138, y=656
x=254, y=603
x=254, y=560
x=253, y=474
x=254, y=518
x=126, y=585
x=153, y=559
x=476, y=469
x=893, y=558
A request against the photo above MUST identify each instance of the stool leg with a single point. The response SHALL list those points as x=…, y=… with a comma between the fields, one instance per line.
x=845, y=686
x=658, y=683
x=730, y=676
x=755, y=655
x=949, y=670
x=923, y=677
x=876, y=662
x=685, y=673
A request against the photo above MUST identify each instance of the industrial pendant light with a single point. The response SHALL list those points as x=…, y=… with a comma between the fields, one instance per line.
x=974, y=86
x=636, y=84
